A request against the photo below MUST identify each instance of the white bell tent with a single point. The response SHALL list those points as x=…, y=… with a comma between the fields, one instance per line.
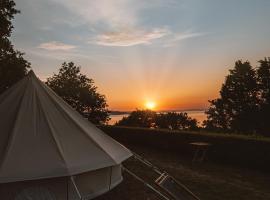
x=45, y=145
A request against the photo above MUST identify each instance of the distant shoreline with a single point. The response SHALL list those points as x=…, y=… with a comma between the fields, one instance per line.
x=115, y=112
x=198, y=114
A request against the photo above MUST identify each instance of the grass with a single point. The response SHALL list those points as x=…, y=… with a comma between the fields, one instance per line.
x=209, y=181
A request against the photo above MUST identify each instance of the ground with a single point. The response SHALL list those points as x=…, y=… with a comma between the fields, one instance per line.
x=209, y=181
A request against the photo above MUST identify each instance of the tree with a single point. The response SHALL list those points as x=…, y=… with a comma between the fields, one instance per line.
x=217, y=116
x=139, y=118
x=175, y=121
x=79, y=92
x=7, y=12
x=151, y=119
x=13, y=68
x=237, y=107
x=263, y=78
x=13, y=65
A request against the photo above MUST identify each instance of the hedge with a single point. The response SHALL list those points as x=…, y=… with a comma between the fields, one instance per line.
x=244, y=151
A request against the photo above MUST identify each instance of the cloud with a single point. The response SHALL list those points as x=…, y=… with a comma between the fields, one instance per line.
x=176, y=37
x=111, y=13
x=183, y=36
x=54, y=45
x=115, y=23
x=129, y=37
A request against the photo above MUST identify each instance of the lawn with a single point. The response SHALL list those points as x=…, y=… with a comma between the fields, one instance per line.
x=209, y=181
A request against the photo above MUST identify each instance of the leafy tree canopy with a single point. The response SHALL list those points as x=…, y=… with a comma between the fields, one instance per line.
x=243, y=105
x=263, y=73
x=151, y=119
x=176, y=121
x=79, y=92
x=139, y=118
x=13, y=65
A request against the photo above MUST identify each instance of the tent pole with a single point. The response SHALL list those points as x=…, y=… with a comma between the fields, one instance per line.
x=67, y=188
x=76, y=188
x=110, y=178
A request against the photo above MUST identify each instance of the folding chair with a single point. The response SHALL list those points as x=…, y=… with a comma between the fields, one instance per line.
x=173, y=188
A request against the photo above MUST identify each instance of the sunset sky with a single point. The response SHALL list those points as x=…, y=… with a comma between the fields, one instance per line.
x=174, y=53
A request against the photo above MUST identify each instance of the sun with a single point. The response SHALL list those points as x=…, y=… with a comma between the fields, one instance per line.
x=150, y=105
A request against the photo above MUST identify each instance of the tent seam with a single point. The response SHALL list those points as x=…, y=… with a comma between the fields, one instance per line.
x=10, y=138
x=59, y=148
x=83, y=130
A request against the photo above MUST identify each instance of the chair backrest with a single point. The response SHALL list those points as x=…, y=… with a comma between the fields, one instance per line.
x=174, y=188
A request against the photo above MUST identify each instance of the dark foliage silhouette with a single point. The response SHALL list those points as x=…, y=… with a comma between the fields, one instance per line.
x=139, y=118
x=243, y=105
x=13, y=65
x=79, y=92
x=176, y=121
x=263, y=73
x=151, y=119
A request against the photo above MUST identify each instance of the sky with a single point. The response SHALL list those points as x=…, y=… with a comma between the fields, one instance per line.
x=175, y=53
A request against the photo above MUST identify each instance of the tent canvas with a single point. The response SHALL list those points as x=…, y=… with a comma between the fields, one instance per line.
x=42, y=137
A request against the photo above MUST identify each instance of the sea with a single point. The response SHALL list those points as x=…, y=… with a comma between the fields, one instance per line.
x=197, y=114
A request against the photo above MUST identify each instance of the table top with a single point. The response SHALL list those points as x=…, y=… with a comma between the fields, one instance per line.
x=200, y=144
